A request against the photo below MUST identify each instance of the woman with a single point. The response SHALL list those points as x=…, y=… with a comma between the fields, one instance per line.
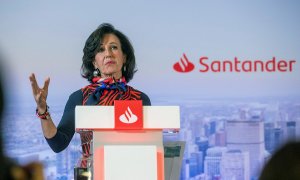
x=108, y=64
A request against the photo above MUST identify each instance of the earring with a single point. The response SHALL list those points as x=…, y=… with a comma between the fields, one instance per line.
x=96, y=72
x=124, y=68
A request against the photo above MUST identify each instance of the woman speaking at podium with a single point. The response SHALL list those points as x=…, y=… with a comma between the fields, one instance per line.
x=108, y=64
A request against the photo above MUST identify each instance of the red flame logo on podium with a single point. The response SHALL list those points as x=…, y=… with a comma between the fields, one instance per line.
x=128, y=117
x=184, y=65
x=128, y=114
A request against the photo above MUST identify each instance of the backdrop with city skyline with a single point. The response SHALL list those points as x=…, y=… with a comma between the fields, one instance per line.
x=48, y=38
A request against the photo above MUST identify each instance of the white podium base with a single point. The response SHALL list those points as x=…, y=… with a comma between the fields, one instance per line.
x=130, y=162
x=114, y=150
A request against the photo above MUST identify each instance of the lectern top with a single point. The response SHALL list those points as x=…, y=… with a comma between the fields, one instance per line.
x=102, y=117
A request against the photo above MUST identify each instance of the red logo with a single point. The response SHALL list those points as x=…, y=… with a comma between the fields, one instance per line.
x=184, y=65
x=129, y=114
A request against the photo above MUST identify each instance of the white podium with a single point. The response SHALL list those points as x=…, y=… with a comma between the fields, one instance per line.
x=127, y=154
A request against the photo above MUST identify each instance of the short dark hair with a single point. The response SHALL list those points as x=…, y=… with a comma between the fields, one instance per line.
x=92, y=46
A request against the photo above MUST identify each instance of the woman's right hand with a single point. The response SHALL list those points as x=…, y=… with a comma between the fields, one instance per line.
x=39, y=94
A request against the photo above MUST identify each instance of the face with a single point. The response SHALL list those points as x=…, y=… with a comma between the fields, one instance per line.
x=110, y=58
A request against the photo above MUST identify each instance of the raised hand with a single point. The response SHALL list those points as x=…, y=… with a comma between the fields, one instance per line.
x=39, y=94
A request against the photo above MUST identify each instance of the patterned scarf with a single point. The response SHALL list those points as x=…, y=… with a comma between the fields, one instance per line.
x=103, y=92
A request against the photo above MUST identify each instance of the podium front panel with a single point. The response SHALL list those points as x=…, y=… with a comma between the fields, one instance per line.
x=133, y=139
x=132, y=162
x=102, y=117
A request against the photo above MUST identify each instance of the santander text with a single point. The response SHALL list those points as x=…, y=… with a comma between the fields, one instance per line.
x=236, y=65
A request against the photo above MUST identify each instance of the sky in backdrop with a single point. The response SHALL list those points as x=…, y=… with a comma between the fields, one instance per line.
x=47, y=38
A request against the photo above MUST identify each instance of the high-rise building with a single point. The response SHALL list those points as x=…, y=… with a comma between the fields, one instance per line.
x=212, y=161
x=297, y=127
x=220, y=138
x=202, y=144
x=248, y=136
x=185, y=170
x=291, y=130
x=212, y=127
x=196, y=159
x=273, y=137
x=62, y=163
x=235, y=165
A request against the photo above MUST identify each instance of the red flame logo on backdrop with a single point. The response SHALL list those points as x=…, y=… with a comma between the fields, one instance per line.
x=184, y=65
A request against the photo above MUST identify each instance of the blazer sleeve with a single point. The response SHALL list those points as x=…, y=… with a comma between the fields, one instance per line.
x=66, y=127
x=145, y=99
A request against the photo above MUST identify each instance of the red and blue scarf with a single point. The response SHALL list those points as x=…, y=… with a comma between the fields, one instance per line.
x=105, y=91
